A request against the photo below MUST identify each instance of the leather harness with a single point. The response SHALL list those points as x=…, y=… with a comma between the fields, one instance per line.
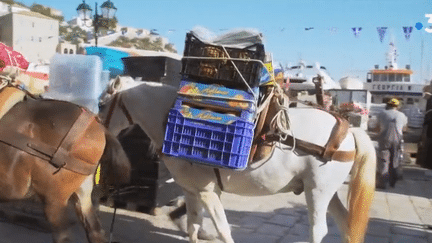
x=57, y=156
x=328, y=152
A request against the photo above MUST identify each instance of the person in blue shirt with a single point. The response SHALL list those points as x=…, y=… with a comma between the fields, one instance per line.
x=392, y=123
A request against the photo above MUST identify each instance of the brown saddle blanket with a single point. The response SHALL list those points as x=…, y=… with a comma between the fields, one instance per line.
x=47, y=129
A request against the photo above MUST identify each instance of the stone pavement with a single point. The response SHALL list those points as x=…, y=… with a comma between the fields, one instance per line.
x=398, y=215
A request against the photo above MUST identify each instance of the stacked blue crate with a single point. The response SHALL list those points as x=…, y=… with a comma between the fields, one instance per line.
x=212, y=119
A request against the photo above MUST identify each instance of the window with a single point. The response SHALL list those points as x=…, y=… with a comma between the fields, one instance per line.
x=71, y=51
x=40, y=39
x=406, y=77
x=383, y=77
x=65, y=51
x=33, y=24
x=392, y=77
x=399, y=77
x=376, y=77
x=410, y=101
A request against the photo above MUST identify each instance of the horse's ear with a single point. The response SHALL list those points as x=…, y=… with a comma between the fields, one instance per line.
x=115, y=85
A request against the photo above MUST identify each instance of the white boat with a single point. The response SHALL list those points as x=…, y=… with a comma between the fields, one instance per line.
x=394, y=82
x=300, y=77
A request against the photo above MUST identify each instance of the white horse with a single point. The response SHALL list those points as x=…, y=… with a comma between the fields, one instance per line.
x=287, y=171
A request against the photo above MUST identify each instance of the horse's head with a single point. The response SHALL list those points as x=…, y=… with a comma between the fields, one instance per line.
x=116, y=85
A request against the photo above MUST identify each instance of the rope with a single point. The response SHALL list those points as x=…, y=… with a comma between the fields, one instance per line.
x=280, y=123
x=238, y=71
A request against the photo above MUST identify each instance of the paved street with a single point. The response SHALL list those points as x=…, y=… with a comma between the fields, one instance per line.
x=401, y=214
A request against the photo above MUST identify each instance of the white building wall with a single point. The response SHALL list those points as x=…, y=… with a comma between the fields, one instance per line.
x=36, y=38
x=4, y=8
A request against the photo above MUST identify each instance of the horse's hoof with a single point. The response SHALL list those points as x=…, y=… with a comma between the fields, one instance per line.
x=202, y=235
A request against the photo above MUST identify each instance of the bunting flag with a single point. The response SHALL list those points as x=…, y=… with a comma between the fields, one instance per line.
x=381, y=32
x=357, y=31
x=407, y=30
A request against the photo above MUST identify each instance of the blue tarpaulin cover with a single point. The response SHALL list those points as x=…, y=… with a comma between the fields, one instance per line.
x=111, y=59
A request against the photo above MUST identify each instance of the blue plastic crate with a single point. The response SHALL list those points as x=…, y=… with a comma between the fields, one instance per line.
x=206, y=142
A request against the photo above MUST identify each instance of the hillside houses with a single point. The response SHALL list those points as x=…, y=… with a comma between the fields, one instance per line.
x=39, y=37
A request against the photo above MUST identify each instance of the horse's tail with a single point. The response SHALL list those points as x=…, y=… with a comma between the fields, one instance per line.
x=115, y=165
x=362, y=186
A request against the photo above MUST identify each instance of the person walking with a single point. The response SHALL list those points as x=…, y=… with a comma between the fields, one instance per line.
x=391, y=124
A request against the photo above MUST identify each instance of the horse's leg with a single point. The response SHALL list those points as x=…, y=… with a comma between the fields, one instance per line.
x=317, y=202
x=194, y=215
x=320, y=187
x=87, y=213
x=340, y=214
x=211, y=201
x=57, y=216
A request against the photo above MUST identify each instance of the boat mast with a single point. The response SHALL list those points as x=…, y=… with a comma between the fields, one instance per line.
x=392, y=56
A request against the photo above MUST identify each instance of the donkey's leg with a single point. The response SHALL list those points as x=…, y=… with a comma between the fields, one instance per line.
x=340, y=215
x=87, y=213
x=212, y=203
x=57, y=216
x=194, y=215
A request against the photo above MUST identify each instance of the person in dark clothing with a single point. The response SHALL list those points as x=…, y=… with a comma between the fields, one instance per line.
x=391, y=123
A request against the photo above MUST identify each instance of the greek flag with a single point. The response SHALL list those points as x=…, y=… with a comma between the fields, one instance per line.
x=381, y=32
x=357, y=31
x=407, y=30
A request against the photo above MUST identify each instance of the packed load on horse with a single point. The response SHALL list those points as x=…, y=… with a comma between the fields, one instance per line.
x=212, y=120
x=15, y=68
x=303, y=149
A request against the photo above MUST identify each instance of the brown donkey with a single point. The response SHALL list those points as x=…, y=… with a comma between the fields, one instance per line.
x=52, y=149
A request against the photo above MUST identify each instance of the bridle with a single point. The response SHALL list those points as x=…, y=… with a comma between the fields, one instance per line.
x=117, y=100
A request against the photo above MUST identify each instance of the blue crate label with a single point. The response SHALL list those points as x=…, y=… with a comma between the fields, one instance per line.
x=207, y=115
x=214, y=91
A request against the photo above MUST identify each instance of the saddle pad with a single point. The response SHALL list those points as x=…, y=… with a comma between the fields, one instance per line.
x=9, y=96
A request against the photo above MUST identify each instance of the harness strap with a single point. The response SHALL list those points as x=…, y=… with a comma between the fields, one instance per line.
x=125, y=111
x=111, y=111
x=27, y=144
x=56, y=156
x=313, y=149
x=338, y=134
x=62, y=154
x=117, y=100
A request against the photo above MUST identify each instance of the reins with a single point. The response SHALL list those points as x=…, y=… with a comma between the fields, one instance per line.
x=117, y=100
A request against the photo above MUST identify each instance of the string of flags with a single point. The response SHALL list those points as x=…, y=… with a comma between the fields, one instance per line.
x=407, y=30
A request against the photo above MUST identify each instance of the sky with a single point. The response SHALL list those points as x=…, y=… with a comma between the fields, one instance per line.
x=283, y=23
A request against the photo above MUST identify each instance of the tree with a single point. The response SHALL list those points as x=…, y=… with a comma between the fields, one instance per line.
x=170, y=47
x=8, y=1
x=45, y=11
